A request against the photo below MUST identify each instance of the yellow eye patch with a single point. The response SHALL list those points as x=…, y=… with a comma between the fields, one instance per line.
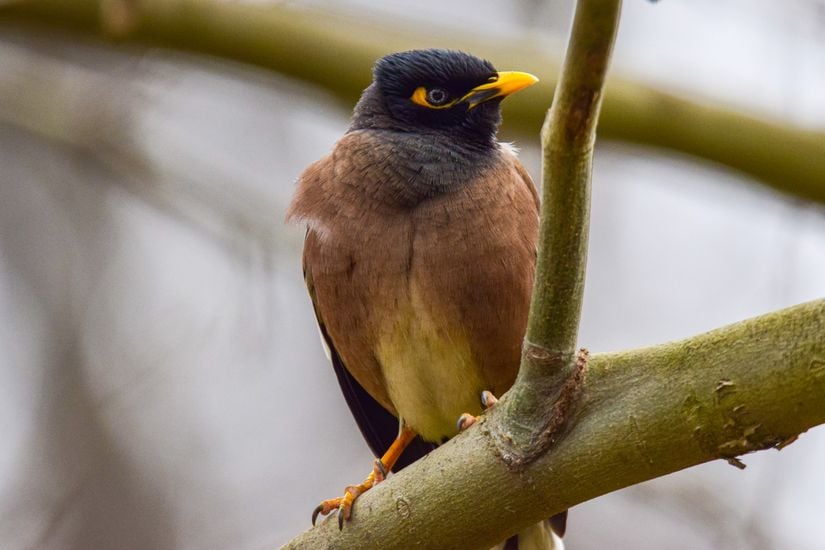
x=419, y=97
x=499, y=85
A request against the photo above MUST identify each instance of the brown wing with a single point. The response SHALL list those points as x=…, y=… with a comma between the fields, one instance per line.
x=378, y=426
x=348, y=269
x=342, y=272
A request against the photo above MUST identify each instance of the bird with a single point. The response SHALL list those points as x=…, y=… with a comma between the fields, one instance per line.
x=419, y=258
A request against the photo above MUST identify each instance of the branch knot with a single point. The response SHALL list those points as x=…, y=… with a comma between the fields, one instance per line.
x=539, y=414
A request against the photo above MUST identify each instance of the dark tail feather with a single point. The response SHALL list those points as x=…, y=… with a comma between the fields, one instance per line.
x=559, y=523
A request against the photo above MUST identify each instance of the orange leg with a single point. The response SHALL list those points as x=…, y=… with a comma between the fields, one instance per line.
x=380, y=469
x=466, y=420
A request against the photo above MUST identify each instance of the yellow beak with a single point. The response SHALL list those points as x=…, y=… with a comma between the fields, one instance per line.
x=502, y=85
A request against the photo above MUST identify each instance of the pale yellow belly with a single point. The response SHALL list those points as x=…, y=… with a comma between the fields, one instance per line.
x=430, y=372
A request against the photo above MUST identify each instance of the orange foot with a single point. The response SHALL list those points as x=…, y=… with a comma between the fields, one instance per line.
x=380, y=468
x=466, y=420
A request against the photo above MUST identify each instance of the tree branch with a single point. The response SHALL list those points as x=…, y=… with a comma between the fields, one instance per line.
x=567, y=140
x=752, y=385
x=537, y=408
x=335, y=52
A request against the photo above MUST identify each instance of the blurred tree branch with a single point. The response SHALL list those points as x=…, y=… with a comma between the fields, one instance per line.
x=92, y=112
x=648, y=412
x=337, y=52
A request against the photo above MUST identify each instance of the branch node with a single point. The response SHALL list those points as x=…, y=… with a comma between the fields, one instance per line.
x=520, y=445
x=541, y=357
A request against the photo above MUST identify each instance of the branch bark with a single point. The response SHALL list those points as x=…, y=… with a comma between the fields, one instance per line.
x=752, y=385
x=335, y=53
x=567, y=138
x=537, y=408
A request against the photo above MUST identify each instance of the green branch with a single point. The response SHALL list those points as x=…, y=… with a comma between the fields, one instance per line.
x=567, y=140
x=646, y=413
x=336, y=53
x=538, y=407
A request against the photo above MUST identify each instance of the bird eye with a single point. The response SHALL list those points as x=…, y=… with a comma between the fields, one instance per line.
x=432, y=98
x=437, y=96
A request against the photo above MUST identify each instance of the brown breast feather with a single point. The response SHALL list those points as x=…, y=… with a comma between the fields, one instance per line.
x=470, y=251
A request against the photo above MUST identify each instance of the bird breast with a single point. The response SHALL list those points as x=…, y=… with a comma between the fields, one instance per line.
x=430, y=372
x=425, y=304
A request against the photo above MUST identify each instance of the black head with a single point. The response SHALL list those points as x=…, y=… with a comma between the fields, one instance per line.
x=437, y=91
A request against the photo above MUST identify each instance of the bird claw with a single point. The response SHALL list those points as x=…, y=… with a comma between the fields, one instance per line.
x=325, y=508
x=466, y=420
x=343, y=504
x=380, y=469
x=488, y=399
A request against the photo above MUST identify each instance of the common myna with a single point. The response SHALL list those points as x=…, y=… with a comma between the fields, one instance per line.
x=419, y=255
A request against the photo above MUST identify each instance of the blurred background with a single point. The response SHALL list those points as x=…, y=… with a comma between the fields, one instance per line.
x=162, y=385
